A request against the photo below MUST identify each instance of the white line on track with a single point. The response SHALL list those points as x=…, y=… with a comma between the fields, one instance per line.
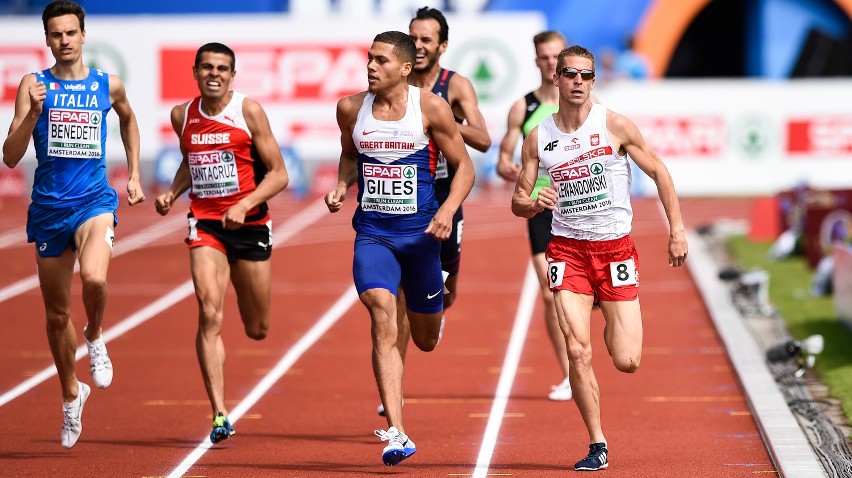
x=507, y=375
x=143, y=238
x=14, y=237
x=309, y=339
x=291, y=227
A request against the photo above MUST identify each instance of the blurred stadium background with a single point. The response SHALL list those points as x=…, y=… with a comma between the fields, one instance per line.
x=742, y=97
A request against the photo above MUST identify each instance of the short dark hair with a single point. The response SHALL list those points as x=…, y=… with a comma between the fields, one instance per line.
x=57, y=8
x=548, y=35
x=427, y=13
x=574, y=50
x=403, y=45
x=215, y=48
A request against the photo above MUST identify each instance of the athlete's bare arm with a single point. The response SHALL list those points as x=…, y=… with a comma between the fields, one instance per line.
x=506, y=167
x=347, y=170
x=276, y=178
x=627, y=138
x=129, y=137
x=522, y=204
x=28, y=107
x=439, y=121
x=474, y=131
x=182, y=180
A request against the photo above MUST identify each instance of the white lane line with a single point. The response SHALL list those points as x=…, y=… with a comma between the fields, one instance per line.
x=17, y=236
x=523, y=317
x=139, y=240
x=293, y=226
x=325, y=322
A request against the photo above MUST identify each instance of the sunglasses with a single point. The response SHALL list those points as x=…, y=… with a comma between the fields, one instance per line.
x=570, y=73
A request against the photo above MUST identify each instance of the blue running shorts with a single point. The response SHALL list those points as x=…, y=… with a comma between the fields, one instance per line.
x=52, y=229
x=410, y=262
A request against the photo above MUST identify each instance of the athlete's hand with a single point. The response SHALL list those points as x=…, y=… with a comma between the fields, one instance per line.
x=508, y=171
x=334, y=199
x=134, y=192
x=677, y=250
x=441, y=225
x=546, y=199
x=163, y=203
x=234, y=217
x=38, y=92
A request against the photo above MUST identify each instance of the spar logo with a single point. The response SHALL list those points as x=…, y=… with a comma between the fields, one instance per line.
x=210, y=157
x=577, y=172
x=278, y=72
x=75, y=116
x=691, y=136
x=823, y=135
x=389, y=172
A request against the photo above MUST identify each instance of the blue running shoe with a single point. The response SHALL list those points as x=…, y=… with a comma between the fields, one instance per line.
x=222, y=428
x=399, y=446
x=595, y=460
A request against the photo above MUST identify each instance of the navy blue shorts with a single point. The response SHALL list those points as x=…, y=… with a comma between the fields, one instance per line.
x=410, y=262
x=53, y=229
x=451, y=248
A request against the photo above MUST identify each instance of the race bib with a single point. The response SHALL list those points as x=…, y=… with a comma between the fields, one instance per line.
x=442, y=171
x=74, y=133
x=214, y=174
x=623, y=273
x=389, y=188
x=555, y=274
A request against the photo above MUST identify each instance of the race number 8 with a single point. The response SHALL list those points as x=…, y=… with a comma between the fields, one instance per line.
x=555, y=273
x=623, y=273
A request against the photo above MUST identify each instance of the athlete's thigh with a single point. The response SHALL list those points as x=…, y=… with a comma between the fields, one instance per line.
x=210, y=276
x=574, y=311
x=422, y=279
x=94, y=241
x=375, y=264
x=54, y=276
x=251, y=281
x=623, y=328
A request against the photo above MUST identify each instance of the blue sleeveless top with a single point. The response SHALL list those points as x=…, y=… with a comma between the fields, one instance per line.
x=70, y=140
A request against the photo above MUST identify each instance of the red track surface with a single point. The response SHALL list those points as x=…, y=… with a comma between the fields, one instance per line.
x=682, y=414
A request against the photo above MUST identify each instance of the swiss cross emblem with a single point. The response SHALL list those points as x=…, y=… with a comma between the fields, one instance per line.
x=595, y=139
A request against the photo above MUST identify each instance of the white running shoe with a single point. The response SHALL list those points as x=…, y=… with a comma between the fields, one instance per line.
x=72, y=423
x=399, y=446
x=99, y=363
x=561, y=392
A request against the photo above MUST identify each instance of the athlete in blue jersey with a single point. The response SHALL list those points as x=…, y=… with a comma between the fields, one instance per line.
x=430, y=33
x=72, y=214
x=390, y=137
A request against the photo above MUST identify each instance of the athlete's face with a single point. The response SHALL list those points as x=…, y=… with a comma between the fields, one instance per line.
x=65, y=38
x=546, y=55
x=384, y=68
x=425, y=34
x=214, y=74
x=576, y=90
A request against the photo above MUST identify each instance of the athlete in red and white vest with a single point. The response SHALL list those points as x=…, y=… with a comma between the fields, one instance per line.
x=591, y=258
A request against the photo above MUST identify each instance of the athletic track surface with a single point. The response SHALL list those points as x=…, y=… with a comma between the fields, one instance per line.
x=304, y=399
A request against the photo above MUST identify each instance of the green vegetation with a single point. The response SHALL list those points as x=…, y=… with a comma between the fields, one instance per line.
x=789, y=292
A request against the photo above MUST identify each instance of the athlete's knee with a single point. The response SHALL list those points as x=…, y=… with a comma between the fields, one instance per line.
x=580, y=353
x=627, y=363
x=426, y=344
x=93, y=278
x=449, y=299
x=58, y=320
x=257, y=331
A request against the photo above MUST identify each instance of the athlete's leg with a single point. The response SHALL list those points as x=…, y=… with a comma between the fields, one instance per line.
x=623, y=333
x=574, y=311
x=54, y=274
x=210, y=272
x=94, y=241
x=551, y=321
x=402, y=326
x=425, y=329
x=387, y=362
x=251, y=281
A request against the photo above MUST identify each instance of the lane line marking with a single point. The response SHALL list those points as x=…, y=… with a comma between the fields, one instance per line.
x=523, y=317
x=343, y=304
x=293, y=226
x=139, y=240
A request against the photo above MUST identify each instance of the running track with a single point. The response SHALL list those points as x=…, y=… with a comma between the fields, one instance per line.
x=305, y=398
